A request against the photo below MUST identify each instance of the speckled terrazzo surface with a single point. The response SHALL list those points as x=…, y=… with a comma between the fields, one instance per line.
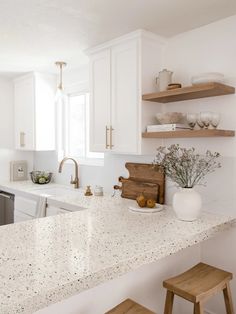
x=46, y=260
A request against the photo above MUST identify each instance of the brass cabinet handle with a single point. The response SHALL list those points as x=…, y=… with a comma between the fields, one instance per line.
x=107, y=130
x=22, y=139
x=111, y=129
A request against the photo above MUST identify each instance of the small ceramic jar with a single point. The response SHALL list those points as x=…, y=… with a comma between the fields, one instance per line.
x=98, y=191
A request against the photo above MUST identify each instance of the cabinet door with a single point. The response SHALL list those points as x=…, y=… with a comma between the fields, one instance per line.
x=100, y=101
x=45, y=112
x=25, y=205
x=18, y=216
x=125, y=97
x=24, y=113
x=35, y=112
x=52, y=211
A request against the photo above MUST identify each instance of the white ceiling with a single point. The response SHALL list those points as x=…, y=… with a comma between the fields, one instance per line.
x=35, y=33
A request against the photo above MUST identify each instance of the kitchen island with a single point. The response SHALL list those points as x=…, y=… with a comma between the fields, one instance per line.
x=47, y=260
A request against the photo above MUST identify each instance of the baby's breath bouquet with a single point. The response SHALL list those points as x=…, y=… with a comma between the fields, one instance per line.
x=184, y=166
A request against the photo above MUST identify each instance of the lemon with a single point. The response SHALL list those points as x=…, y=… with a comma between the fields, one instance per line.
x=42, y=180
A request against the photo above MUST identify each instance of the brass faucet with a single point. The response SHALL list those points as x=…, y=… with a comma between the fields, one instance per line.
x=74, y=181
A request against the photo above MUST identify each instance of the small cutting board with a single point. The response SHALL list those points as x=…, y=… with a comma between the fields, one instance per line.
x=143, y=178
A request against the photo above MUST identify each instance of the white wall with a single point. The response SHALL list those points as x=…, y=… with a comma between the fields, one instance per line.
x=7, y=152
x=211, y=48
x=107, y=175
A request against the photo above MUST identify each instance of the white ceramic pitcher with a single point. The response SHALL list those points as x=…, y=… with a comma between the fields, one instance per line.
x=164, y=79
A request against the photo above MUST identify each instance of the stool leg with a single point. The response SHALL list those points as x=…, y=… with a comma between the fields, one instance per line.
x=169, y=302
x=228, y=299
x=198, y=308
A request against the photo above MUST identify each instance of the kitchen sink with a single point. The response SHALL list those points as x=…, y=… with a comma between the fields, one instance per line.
x=56, y=191
x=65, y=197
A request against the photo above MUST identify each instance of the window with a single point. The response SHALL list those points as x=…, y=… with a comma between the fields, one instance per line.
x=76, y=125
x=74, y=139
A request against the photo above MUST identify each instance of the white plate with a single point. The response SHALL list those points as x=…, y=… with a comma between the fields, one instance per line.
x=146, y=210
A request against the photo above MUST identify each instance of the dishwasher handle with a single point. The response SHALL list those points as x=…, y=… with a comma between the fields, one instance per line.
x=6, y=195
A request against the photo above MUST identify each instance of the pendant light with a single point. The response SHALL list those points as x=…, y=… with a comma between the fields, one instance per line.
x=60, y=96
x=61, y=107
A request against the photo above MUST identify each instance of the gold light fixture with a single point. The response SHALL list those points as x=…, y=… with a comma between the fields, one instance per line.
x=60, y=96
x=60, y=64
x=61, y=102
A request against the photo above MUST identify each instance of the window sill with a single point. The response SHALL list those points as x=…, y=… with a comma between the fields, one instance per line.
x=97, y=162
x=91, y=161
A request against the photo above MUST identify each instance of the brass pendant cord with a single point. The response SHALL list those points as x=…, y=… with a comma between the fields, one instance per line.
x=60, y=84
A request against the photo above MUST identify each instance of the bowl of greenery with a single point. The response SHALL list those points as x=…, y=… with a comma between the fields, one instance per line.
x=41, y=177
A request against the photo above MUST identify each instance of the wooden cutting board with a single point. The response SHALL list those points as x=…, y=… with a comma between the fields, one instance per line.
x=131, y=189
x=143, y=178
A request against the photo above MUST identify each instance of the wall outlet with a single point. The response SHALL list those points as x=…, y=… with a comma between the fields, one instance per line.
x=18, y=170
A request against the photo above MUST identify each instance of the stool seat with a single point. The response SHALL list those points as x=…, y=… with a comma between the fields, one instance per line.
x=198, y=283
x=129, y=307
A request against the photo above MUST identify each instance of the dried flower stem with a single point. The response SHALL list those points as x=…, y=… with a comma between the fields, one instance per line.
x=184, y=166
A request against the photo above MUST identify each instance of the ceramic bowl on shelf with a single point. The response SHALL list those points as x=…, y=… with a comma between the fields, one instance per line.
x=207, y=78
x=174, y=86
x=170, y=117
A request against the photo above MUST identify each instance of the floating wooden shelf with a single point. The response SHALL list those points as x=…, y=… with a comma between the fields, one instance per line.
x=190, y=92
x=189, y=133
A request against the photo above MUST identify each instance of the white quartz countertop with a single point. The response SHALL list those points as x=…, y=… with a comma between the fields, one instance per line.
x=46, y=260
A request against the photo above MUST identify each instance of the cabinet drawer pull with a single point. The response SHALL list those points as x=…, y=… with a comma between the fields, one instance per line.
x=22, y=139
x=107, y=130
x=111, y=129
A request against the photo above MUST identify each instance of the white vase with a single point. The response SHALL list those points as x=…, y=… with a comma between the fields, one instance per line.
x=187, y=204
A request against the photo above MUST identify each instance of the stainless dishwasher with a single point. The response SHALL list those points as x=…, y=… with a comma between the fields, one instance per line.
x=6, y=208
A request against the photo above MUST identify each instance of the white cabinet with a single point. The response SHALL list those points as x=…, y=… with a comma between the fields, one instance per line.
x=100, y=100
x=19, y=216
x=24, y=208
x=126, y=97
x=114, y=88
x=24, y=113
x=120, y=72
x=34, y=99
x=53, y=210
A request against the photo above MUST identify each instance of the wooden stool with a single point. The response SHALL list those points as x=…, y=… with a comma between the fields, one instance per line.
x=129, y=307
x=197, y=285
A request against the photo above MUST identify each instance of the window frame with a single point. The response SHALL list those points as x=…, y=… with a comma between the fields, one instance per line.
x=74, y=90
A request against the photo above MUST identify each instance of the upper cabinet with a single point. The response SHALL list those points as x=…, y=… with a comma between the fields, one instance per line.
x=120, y=71
x=100, y=100
x=125, y=97
x=114, y=99
x=34, y=98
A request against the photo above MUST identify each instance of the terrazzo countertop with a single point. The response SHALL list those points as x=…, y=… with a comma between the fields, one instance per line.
x=46, y=260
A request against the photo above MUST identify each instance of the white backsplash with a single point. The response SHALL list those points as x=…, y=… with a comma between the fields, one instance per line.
x=107, y=175
x=219, y=186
